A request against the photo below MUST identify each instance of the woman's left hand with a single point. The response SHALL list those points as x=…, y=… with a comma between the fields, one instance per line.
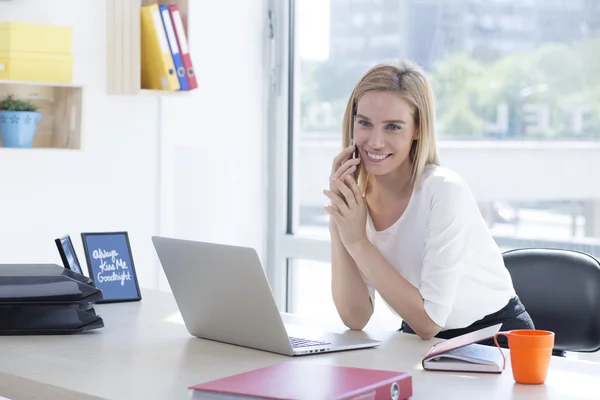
x=348, y=210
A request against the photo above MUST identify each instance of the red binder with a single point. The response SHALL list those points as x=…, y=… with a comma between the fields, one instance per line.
x=305, y=380
x=183, y=45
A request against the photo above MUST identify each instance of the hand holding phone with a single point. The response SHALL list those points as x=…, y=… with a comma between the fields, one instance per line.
x=355, y=156
x=344, y=164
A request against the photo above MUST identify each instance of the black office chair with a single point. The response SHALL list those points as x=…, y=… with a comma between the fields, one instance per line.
x=561, y=291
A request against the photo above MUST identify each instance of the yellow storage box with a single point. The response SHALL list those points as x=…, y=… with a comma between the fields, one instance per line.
x=35, y=38
x=36, y=67
x=36, y=52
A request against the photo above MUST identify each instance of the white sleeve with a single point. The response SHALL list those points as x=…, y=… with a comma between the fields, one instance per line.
x=446, y=242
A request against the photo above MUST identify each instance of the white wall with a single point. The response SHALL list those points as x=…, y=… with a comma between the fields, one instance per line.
x=201, y=179
x=214, y=141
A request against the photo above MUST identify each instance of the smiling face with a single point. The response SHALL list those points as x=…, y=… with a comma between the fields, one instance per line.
x=384, y=131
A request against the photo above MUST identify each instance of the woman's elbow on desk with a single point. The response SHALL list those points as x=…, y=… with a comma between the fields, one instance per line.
x=426, y=329
x=355, y=319
x=429, y=333
x=354, y=322
x=355, y=326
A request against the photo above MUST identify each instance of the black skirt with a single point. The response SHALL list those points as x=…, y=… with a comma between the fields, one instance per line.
x=512, y=316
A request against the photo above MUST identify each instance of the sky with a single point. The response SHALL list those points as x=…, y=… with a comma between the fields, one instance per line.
x=313, y=29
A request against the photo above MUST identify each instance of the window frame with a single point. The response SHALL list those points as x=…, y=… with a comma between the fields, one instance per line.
x=283, y=244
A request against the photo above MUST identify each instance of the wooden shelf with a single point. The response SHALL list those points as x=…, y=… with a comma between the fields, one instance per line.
x=61, y=108
x=123, y=52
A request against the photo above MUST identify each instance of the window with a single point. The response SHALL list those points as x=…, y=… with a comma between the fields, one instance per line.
x=310, y=294
x=518, y=116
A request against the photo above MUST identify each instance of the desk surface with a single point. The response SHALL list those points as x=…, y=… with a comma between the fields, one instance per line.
x=145, y=352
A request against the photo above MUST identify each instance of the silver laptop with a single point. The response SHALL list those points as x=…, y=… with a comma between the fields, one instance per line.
x=223, y=294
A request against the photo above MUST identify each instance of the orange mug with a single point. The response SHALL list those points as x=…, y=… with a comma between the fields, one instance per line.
x=530, y=354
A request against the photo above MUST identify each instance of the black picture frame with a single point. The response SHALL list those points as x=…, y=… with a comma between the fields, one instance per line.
x=110, y=265
x=68, y=255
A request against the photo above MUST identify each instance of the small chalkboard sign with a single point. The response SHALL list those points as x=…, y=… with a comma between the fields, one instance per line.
x=110, y=265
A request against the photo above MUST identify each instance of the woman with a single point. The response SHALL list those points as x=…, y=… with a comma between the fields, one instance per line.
x=407, y=227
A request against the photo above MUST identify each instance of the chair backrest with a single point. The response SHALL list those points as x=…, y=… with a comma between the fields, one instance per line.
x=561, y=291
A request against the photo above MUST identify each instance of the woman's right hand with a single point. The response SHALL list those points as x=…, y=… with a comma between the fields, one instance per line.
x=343, y=165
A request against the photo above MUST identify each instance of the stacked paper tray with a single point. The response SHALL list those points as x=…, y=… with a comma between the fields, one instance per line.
x=46, y=299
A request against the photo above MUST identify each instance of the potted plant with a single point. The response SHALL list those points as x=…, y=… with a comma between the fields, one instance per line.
x=18, y=122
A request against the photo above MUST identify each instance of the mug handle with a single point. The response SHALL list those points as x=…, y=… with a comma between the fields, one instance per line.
x=498, y=346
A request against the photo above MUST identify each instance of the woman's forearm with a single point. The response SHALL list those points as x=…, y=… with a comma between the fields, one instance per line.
x=350, y=293
x=400, y=294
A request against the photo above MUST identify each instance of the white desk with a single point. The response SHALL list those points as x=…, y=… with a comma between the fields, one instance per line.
x=143, y=352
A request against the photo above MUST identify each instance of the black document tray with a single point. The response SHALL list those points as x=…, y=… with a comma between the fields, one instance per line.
x=42, y=270
x=45, y=284
x=32, y=319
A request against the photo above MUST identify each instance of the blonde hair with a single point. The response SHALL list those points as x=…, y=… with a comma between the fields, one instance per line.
x=412, y=82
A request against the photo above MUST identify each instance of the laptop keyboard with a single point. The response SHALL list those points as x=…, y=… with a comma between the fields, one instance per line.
x=298, y=342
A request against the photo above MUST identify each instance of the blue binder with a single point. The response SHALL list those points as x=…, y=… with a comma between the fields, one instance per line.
x=174, y=46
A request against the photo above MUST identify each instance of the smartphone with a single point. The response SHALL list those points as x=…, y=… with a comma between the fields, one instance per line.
x=355, y=152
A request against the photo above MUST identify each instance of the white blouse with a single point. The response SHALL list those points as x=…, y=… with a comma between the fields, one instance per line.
x=443, y=247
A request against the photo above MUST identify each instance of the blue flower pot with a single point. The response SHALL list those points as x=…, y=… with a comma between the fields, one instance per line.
x=18, y=127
